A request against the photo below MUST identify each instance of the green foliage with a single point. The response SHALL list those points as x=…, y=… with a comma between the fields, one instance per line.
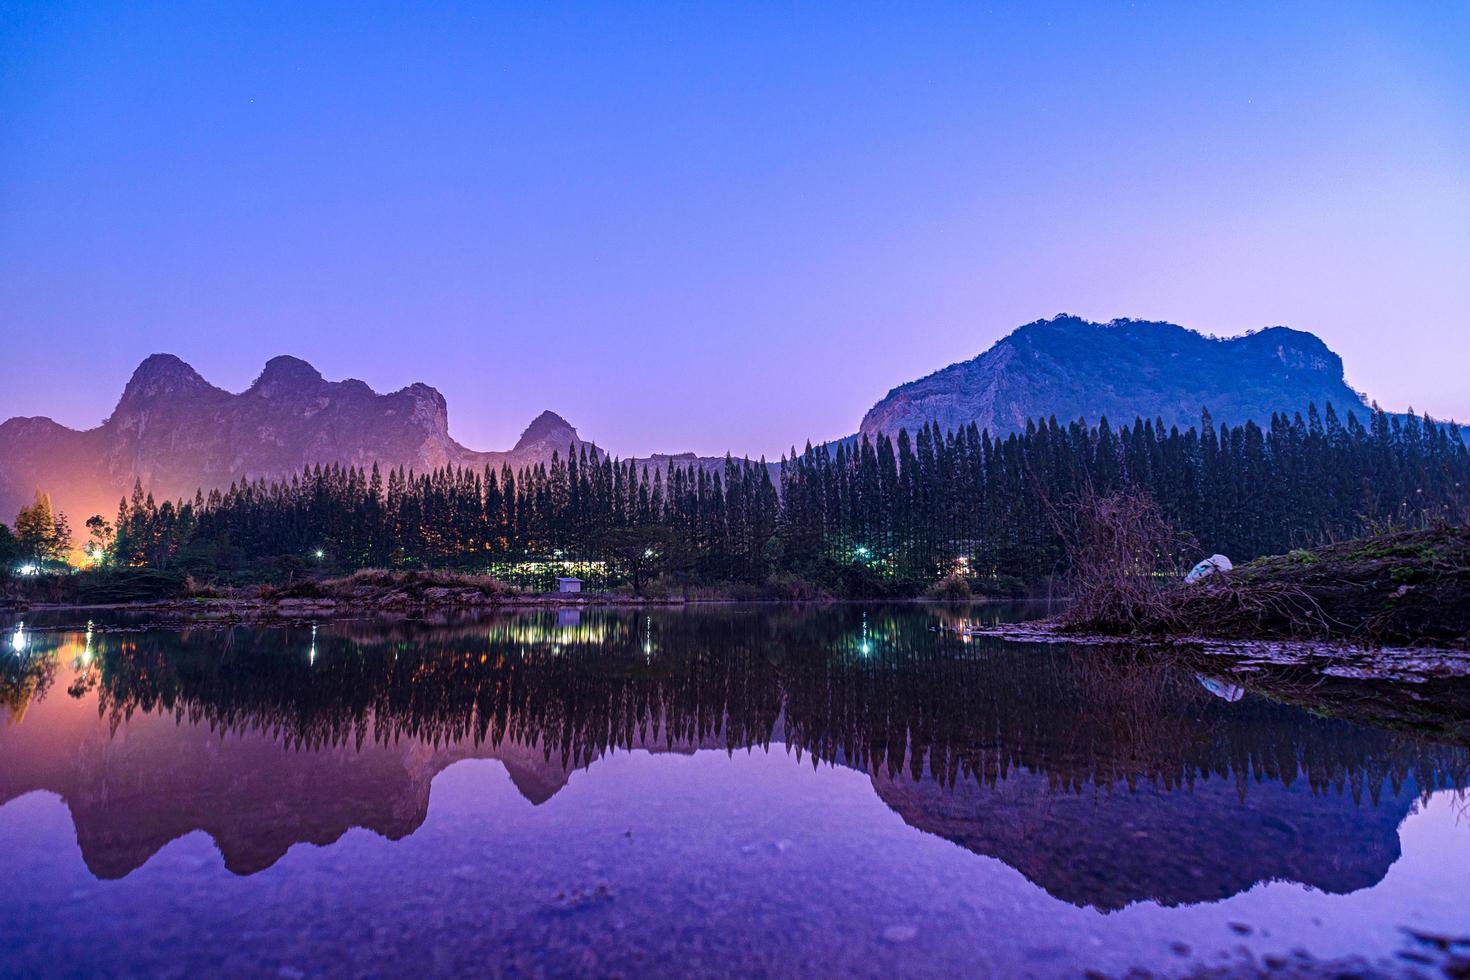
x=1386, y=547
x=1401, y=574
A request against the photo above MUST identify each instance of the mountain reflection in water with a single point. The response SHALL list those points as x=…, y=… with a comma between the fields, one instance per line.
x=1104, y=783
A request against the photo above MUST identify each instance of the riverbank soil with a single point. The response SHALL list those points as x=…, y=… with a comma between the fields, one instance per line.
x=1401, y=588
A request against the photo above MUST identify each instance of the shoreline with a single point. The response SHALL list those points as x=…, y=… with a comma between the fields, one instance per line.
x=1331, y=657
x=254, y=610
x=1399, y=589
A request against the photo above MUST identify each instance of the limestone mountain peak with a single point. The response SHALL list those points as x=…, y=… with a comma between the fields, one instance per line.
x=163, y=374
x=285, y=372
x=547, y=427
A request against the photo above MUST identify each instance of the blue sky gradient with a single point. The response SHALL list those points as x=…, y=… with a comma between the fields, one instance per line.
x=715, y=227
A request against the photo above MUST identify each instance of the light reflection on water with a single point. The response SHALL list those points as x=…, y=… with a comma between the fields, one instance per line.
x=732, y=790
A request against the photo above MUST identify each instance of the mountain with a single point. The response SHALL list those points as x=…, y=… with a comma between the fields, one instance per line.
x=178, y=433
x=1109, y=846
x=1073, y=368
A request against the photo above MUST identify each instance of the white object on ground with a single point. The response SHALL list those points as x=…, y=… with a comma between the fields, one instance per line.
x=1211, y=565
x=1221, y=689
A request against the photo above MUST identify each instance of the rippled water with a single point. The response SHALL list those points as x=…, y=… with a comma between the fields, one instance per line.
x=727, y=790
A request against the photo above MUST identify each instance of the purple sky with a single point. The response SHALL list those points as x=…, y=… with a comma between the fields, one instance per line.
x=717, y=226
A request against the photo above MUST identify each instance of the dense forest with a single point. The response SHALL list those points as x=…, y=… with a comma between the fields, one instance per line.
x=887, y=516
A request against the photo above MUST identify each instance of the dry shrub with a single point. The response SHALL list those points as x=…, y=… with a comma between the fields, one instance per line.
x=1126, y=579
x=418, y=581
x=370, y=576
x=1224, y=605
x=1123, y=552
x=196, y=589
x=412, y=583
x=952, y=586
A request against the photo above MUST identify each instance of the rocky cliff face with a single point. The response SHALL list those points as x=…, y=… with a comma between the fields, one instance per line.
x=547, y=433
x=1072, y=368
x=177, y=433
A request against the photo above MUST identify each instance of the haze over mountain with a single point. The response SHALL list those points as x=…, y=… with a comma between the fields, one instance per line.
x=177, y=433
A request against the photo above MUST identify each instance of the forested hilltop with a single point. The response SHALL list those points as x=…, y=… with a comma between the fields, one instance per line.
x=885, y=517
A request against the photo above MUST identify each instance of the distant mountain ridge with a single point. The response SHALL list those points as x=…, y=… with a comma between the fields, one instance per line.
x=177, y=433
x=1073, y=368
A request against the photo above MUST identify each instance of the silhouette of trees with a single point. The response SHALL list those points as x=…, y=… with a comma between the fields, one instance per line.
x=861, y=516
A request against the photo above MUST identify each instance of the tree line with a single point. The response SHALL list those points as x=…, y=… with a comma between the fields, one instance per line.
x=861, y=516
x=42, y=535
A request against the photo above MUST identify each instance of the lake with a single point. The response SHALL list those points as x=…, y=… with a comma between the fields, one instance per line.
x=748, y=790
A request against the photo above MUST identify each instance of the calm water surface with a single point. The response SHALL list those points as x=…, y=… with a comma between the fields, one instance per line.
x=752, y=791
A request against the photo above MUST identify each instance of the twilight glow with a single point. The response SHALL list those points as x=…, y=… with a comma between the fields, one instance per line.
x=690, y=228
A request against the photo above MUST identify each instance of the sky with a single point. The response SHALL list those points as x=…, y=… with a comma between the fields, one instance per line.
x=717, y=226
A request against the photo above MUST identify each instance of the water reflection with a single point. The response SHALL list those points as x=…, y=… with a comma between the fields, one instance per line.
x=1105, y=780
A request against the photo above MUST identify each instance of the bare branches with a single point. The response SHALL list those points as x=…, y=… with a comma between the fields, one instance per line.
x=1122, y=552
x=1401, y=587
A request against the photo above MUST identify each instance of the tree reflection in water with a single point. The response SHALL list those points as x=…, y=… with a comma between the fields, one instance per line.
x=1090, y=772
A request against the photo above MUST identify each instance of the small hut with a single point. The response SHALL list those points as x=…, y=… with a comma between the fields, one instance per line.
x=568, y=584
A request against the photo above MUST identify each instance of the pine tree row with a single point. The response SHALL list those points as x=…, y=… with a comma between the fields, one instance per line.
x=900, y=511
